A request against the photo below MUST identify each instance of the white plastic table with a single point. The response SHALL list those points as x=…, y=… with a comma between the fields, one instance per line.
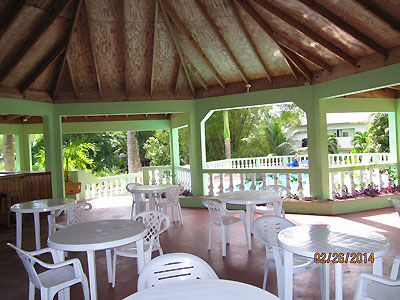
x=307, y=240
x=35, y=207
x=201, y=289
x=99, y=235
x=152, y=191
x=250, y=199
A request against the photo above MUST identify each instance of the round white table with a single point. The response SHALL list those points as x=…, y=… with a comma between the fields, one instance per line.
x=200, y=289
x=99, y=235
x=35, y=207
x=307, y=240
x=250, y=199
x=152, y=191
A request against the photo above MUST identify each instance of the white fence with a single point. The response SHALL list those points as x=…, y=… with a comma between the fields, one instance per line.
x=184, y=177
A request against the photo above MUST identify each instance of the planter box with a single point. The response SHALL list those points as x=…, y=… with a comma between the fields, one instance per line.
x=72, y=188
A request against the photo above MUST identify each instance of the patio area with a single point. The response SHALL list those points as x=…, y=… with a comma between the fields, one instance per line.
x=239, y=264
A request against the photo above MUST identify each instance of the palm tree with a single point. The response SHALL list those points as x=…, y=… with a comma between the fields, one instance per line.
x=227, y=135
x=360, y=142
x=9, y=152
x=76, y=155
x=332, y=144
x=134, y=164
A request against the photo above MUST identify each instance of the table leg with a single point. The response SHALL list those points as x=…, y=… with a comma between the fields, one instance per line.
x=92, y=274
x=326, y=281
x=140, y=253
x=19, y=229
x=37, y=229
x=109, y=265
x=377, y=267
x=249, y=212
x=288, y=282
x=338, y=282
x=152, y=201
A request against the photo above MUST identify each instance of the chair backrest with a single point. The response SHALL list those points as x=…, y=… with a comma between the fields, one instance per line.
x=283, y=191
x=396, y=204
x=28, y=261
x=75, y=213
x=174, y=266
x=216, y=210
x=156, y=223
x=172, y=195
x=136, y=196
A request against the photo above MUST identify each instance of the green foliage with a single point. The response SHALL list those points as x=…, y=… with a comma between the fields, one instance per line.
x=184, y=146
x=360, y=142
x=332, y=144
x=157, y=148
x=378, y=133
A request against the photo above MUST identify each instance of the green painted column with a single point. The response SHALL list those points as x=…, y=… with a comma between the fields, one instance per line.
x=318, y=150
x=397, y=136
x=54, y=158
x=392, y=135
x=23, y=149
x=174, y=148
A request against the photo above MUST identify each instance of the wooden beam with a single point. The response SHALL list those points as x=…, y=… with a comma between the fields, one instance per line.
x=12, y=117
x=222, y=40
x=9, y=14
x=326, y=13
x=267, y=29
x=42, y=65
x=380, y=13
x=154, y=48
x=93, y=44
x=178, y=48
x=250, y=40
x=71, y=75
x=77, y=9
x=307, y=32
x=54, y=10
x=197, y=74
x=395, y=87
x=177, y=76
x=298, y=63
x=165, y=6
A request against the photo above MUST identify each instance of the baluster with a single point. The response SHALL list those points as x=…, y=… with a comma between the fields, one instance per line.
x=361, y=180
x=253, y=181
x=352, y=185
x=221, y=183
x=333, y=186
x=264, y=180
x=160, y=177
x=211, y=185
x=275, y=179
x=370, y=176
x=380, y=179
x=93, y=190
x=288, y=182
x=231, y=182
x=342, y=183
x=300, y=188
x=241, y=186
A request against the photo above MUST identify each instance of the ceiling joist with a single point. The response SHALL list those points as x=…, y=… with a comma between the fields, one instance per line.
x=125, y=42
x=326, y=13
x=9, y=14
x=222, y=40
x=154, y=48
x=307, y=32
x=298, y=63
x=189, y=37
x=72, y=76
x=197, y=74
x=54, y=10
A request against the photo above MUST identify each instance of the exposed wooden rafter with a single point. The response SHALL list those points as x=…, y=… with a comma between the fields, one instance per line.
x=154, y=46
x=377, y=11
x=197, y=74
x=298, y=63
x=177, y=76
x=308, y=32
x=222, y=40
x=54, y=10
x=250, y=41
x=12, y=117
x=92, y=45
x=395, y=87
x=267, y=29
x=76, y=10
x=9, y=15
x=72, y=76
x=178, y=48
x=125, y=41
x=42, y=65
x=326, y=13
x=189, y=37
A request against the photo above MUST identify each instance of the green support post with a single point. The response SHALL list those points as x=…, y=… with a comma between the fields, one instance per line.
x=174, y=148
x=23, y=149
x=397, y=137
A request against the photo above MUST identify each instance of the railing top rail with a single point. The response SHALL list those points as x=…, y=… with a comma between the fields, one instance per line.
x=118, y=176
x=259, y=170
x=360, y=167
x=158, y=167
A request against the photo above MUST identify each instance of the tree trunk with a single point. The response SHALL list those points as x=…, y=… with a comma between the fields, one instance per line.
x=9, y=152
x=134, y=164
x=227, y=135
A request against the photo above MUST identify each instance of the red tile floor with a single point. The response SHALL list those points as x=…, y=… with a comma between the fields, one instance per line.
x=192, y=237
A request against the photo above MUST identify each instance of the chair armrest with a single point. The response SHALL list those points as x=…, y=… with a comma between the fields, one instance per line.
x=240, y=212
x=41, y=251
x=379, y=279
x=395, y=268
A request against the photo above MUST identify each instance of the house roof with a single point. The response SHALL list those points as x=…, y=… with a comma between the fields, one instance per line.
x=131, y=50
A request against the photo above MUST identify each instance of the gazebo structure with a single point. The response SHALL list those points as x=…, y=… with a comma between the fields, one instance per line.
x=69, y=66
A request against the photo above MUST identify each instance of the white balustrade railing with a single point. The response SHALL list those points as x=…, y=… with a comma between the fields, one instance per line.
x=184, y=177
x=229, y=180
x=358, y=159
x=157, y=175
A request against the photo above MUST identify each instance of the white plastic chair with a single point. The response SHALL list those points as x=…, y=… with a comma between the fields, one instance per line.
x=172, y=201
x=266, y=229
x=174, y=266
x=396, y=204
x=156, y=223
x=268, y=208
x=74, y=213
x=379, y=288
x=219, y=217
x=138, y=201
x=58, y=276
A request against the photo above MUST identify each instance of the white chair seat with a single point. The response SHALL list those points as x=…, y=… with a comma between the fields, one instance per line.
x=378, y=291
x=57, y=276
x=229, y=220
x=171, y=201
x=130, y=250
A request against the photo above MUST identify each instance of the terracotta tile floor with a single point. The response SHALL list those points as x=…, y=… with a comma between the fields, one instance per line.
x=192, y=237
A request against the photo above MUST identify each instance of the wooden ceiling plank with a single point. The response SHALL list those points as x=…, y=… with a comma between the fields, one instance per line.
x=93, y=45
x=125, y=41
x=222, y=40
x=77, y=9
x=267, y=29
x=308, y=32
x=189, y=37
x=42, y=65
x=178, y=48
x=154, y=50
x=327, y=14
x=298, y=63
x=54, y=10
x=71, y=75
x=380, y=13
x=9, y=14
x=250, y=41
